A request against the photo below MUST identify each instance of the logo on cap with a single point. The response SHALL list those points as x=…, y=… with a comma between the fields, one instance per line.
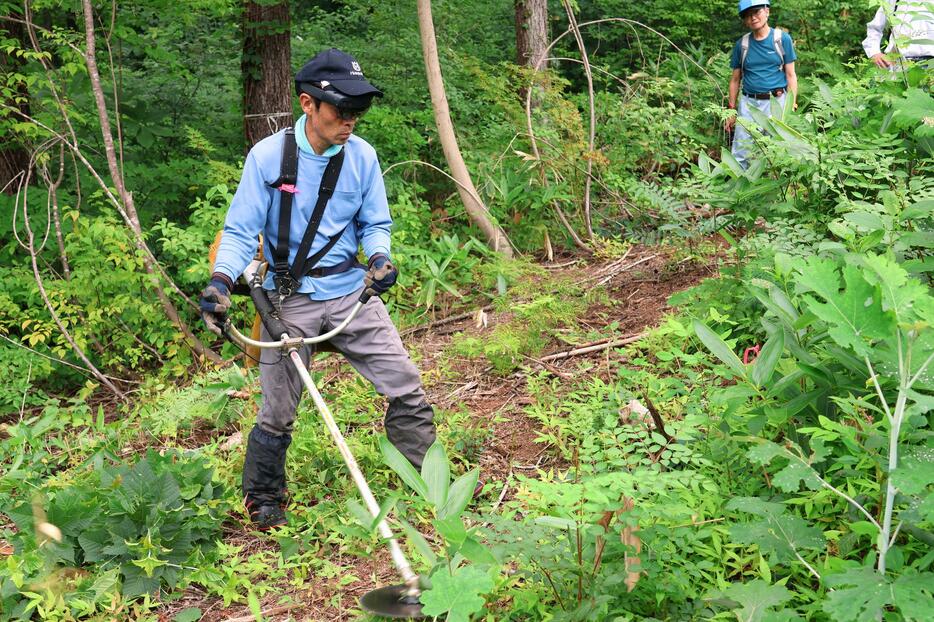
x=356, y=66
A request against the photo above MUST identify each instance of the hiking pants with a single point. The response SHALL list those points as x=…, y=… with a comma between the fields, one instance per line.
x=742, y=139
x=372, y=345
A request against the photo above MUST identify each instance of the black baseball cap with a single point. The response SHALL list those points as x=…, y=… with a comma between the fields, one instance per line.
x=340, y=70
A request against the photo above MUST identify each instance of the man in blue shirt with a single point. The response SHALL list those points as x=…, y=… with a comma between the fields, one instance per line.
x=763, y=64
x=333, y=94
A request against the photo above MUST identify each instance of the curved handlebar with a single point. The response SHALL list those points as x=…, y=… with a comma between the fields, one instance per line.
x=288, y=342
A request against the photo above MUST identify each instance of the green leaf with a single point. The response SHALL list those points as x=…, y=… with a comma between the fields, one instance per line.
x=756, y=598
x=862, y=594
x=456, y=594
x=719, y=348
x=777, y=533
x=360, y=513
x=763, y=453
x=789, y=478
x=460, y=494
x=768, y=358
x=854, y=316
x=476, y=552
x=452, y=530
x=437, y=475
x=899, y=292
x=418, y=540
x=192, y=614
x=255, y=608
x=915, y=471
x=403, y=468
x=921, y=209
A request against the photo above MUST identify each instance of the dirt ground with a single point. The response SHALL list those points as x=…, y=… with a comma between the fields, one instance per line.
x=639, y=297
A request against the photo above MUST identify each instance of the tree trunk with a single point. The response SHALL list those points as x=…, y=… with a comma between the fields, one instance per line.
x=266, y=68
x=531, y=31
x=14, y=157
x=476, y=210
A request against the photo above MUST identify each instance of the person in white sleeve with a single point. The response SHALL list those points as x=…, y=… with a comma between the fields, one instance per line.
x=912, y=32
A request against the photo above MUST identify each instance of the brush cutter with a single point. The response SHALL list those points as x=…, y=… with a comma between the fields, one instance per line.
x=394, y=601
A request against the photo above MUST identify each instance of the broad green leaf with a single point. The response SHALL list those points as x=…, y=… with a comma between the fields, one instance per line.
x=921, y=209
x=763, y=453
x=789, y=478
x=915, y=471
x=768, y=358
x=436, y=474
x=360, y=513
x=756, y=598
x=419, y=542
x=460, y=494
x=914, y=595
x=403, y=468
x=476, y=552
x=452, y=530
x=899, y=292
x=854, y=316
x=755, y=505
x=777, y=533
x=456, y=594
x=192, y=614
x=862, y=594
x=719, y=348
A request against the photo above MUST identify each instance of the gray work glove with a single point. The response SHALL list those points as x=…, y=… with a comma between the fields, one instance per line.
x=214, y=303
x=380, y=275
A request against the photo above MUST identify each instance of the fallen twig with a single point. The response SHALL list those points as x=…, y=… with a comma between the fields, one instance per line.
x=630, y=266
x=595, y=347
x=656, y=417
x=443, y=321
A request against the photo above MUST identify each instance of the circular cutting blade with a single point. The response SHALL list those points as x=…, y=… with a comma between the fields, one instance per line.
x=391, y=602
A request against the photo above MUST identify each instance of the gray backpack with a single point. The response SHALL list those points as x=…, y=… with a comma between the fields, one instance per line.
x=776, y=41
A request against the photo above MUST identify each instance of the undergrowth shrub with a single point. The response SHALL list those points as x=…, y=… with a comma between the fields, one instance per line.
x=141, y=528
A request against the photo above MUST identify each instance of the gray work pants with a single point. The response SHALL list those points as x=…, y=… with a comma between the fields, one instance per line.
x=372, y=345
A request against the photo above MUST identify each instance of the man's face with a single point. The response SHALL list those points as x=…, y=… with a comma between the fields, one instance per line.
x=326, y=123
x=755, y=17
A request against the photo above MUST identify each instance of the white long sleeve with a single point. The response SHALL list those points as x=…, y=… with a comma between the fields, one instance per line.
x=872, y=44
x=912, y=26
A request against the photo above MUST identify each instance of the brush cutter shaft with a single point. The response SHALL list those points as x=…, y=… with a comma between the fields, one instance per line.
x=398, y=558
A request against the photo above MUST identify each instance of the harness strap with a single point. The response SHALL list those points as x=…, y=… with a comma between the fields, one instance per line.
x=288, y=175
x=304, y=263
x=287, y=278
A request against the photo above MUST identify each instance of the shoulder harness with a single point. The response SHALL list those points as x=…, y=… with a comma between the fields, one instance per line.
x=288, y=278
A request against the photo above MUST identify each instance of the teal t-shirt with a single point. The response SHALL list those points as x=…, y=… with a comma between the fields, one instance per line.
x=763, y=71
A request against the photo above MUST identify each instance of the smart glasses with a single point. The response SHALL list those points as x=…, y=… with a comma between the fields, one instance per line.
x=349, y=107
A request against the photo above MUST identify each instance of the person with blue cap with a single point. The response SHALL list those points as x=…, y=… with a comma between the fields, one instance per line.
x=763, y=64
x=315, y=192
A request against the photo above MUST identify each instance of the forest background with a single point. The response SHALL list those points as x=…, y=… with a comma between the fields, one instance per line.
x=795, y=484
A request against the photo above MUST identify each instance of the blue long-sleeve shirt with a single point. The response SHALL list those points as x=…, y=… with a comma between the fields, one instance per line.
x=359, y=202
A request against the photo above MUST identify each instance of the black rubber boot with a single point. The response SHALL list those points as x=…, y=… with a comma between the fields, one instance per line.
x=264, y=488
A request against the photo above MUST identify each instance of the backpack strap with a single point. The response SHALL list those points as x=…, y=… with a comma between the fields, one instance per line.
x=744, y=50
x=779, y=46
